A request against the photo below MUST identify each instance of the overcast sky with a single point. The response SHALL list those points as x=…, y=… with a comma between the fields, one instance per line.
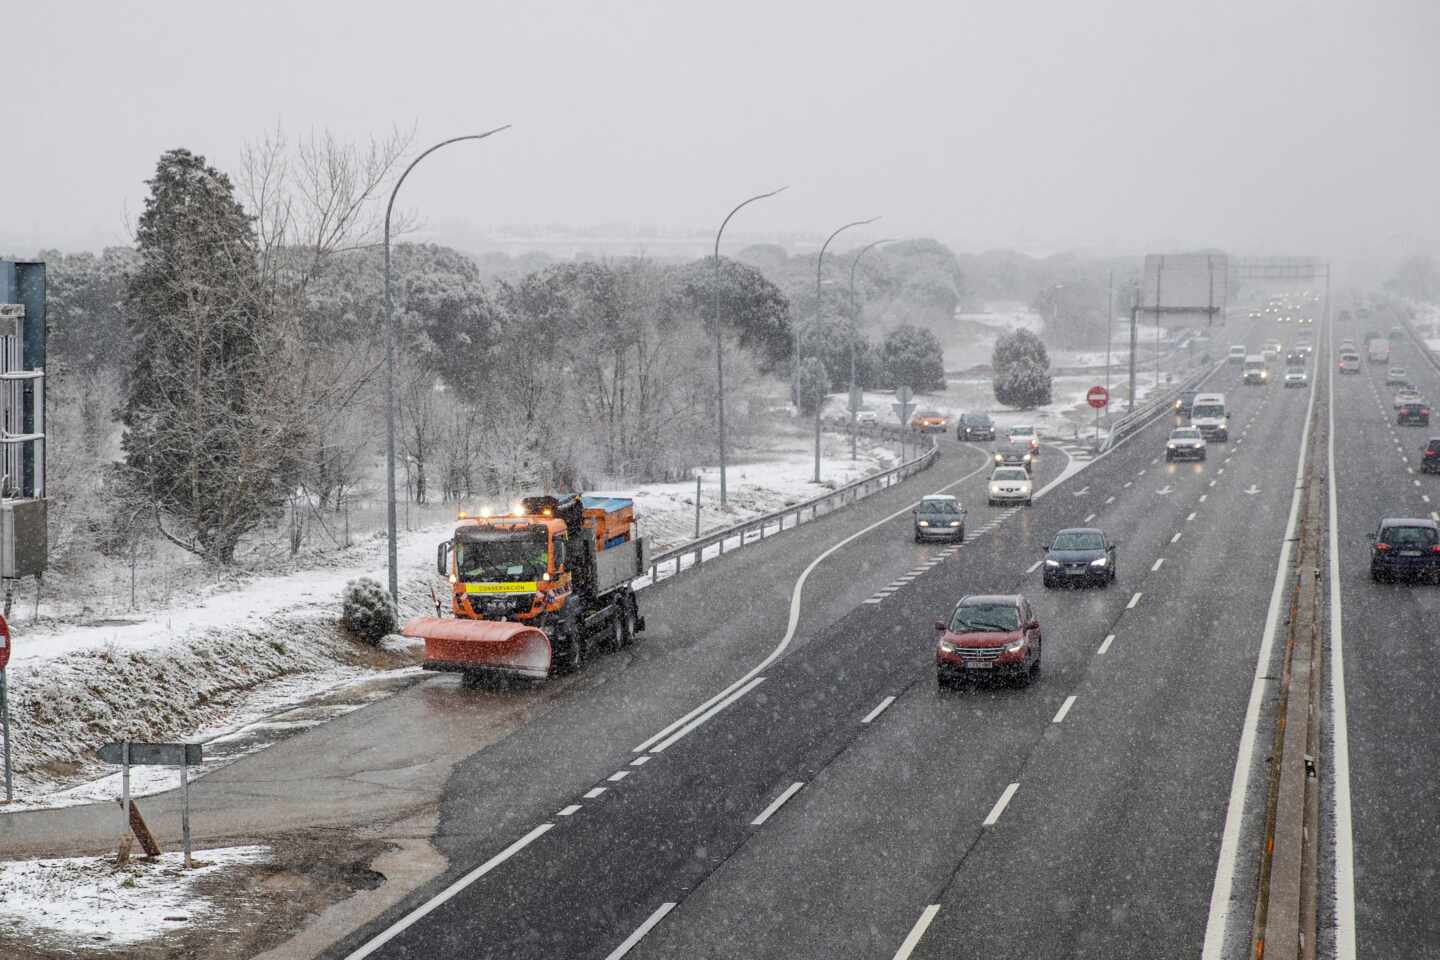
x=1255, y=125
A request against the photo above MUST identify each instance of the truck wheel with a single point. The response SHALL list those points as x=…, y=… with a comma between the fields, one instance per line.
x=630, y=619
x=568, y=654
x=616, y=638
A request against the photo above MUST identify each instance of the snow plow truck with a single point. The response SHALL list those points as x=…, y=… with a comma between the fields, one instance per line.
x=535, y=591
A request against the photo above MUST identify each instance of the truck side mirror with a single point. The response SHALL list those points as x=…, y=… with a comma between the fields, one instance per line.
x=442, y=558
x=559, y=555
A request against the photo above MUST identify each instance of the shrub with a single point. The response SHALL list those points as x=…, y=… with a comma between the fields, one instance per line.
x=367, y=610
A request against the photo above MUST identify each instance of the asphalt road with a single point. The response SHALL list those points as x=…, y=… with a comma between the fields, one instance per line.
x=703, y=845
x=1391, y=680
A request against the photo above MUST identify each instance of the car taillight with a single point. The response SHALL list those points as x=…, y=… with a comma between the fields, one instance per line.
x=1425, y=411
x=1435, y=549
x=1382, y=547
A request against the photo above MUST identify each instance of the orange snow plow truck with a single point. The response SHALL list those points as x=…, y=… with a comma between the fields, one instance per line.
x=537, y=591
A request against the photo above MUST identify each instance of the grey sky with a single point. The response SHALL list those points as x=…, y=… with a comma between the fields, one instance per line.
x=1128, y=125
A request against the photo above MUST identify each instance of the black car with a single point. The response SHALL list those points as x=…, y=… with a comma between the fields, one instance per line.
x=1015, y=455
x=1413, y=414
x=1405, y=547
x=1430, y=458
x=1185, y=402
x=939, y=517
x=974, y=426
x=1078, y=556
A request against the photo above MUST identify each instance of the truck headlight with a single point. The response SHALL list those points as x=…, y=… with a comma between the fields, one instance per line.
x=999, y=458
x=1170, y=446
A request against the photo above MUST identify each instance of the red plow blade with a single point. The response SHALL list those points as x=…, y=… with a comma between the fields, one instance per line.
x=482, y=646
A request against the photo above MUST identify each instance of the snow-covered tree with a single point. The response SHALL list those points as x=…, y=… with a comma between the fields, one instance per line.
x=1022, y=370
x=913, y=358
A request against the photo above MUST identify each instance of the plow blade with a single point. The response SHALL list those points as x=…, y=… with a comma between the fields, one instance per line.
x=481, y=646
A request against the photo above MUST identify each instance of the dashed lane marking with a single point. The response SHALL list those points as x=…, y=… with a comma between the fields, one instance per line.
x=1034, y=566
x=1156, y=566
x=912, y=939
x=1105, y=644
x=1109, y=500
x=618, y=775
x=879, y=709
x=568, y=811
x=1176, y=538
x=1133, y=600
x=1000, y=805
x=593, y=793
x=1088, y=519
x=1064, y=709
x=776, y=804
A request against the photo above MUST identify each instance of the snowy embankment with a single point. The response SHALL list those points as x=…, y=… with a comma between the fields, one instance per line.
x=222, y=659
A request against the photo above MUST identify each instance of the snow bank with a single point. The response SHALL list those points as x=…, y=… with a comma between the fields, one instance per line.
x=91, y=902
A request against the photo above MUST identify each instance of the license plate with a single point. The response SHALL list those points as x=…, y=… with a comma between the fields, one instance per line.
x=978, y=665
x=1409, y=553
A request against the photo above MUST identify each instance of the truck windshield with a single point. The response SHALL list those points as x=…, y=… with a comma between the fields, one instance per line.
x=1208, y=410
x=502, y=559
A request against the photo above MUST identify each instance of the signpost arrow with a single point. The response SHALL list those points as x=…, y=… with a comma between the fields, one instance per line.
x=1252, y=491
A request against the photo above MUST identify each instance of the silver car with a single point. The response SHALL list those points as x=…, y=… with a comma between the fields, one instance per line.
x=1185, y=443
x=1010, y=485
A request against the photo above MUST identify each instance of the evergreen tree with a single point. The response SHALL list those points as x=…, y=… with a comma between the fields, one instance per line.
x=913, y=358
x=1022, y=370
x=209, y=433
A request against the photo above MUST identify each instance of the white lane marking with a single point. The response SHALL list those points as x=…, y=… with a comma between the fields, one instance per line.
x=640, y=931
x=794, y=621
x=1176, y=538
x=1212, y=483
x=1133, y=600
x=1220, y=471
x=1156, y=567
x=1434, y=516
x=618, y=775
x=1408, y=469
x=1202, y=499
x=671, y=740
x=879, y=709
x=1034, y=566
x=1126, y=485
x=1064, y=709
x=1192, y=515
x=1344, y=843
x=640, y=761
x=1088, y=519
x=573, y=808
x=1154, y=460
x=1109, y=639
x=776, y=804
x=1140, y=474
x=399, y=926
x=1109, y=500
x=592, y=794
x=1425, y=497
x=1228, y=859
x=1416, y=482
x=912, y=939
x=1000, y=805
x=873, y=600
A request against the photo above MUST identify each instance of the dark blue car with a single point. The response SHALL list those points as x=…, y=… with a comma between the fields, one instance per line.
x=1405, y=547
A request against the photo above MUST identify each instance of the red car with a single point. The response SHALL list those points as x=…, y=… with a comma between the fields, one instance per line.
x=988, y=635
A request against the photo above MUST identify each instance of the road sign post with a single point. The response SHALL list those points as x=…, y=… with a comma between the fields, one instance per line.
x=5, y=704
x=182, y=755
x=1098, y=398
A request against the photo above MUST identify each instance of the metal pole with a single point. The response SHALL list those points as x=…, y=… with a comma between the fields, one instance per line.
x=1109, y=339
x=185, y=811
x=391, y=553
x=854, y=334
x=1159, y=269
x=819, y=264
x=125, y=783
x=5, y=731
x=719, y=355
x=1134, y=345
x=697, y=506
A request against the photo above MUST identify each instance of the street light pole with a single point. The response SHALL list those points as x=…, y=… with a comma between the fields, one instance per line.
x=719, y=356
x=392, y=557
x=854, y=332
x=819, y=263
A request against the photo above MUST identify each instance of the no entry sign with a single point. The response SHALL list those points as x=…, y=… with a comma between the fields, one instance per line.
x=1098, y=397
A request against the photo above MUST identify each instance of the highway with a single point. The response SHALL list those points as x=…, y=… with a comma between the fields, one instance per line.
x=837, y=804
x=1391, y=685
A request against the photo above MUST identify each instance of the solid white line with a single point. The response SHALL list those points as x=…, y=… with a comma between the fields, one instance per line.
x=1222, y=891
x=1064, y=709
x=794, y=621
x=873, y=600
x=878, y=710
x=1109, y=639
x=776, y=804
x=1034, y=566
x=573, y=808
x=618, y=775
x=1088, y=519
x=640, y=932
x=1155, y=567
x=640, y=761
x=1176, y=538
x=1339, y=720
x=671, y=740
x=419, y=912
x=912, y=939
x=1133, y=600
x=1000, y=805
x=594, y=792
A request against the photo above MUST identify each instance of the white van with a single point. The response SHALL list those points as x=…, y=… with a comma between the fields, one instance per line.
x=1211, y=417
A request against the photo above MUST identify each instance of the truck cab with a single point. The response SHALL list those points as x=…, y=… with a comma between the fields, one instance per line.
x=1211, y=417
x=1256, y=373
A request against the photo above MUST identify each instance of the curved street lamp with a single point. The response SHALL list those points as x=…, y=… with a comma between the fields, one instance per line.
x=819, y=263
x=392, y=558
x=854, y=331
x=719, y=356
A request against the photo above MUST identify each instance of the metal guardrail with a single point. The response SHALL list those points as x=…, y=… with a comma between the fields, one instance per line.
x=690, y=555
x=1155, y=406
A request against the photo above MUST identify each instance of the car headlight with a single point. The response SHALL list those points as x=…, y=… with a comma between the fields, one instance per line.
x=947, y=646
x=1052, y=563
x=924, y=523
x=1100, y=562
x=954, y=523
x=999, y=458
x=1015, y=647
x=1170, y=446
x=1026, y=458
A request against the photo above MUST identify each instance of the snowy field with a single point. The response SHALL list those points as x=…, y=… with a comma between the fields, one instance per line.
x=57, y=904
x=237, y=664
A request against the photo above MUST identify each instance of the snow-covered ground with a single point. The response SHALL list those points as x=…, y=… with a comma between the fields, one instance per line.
x=228, y=665
x=55, y=904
